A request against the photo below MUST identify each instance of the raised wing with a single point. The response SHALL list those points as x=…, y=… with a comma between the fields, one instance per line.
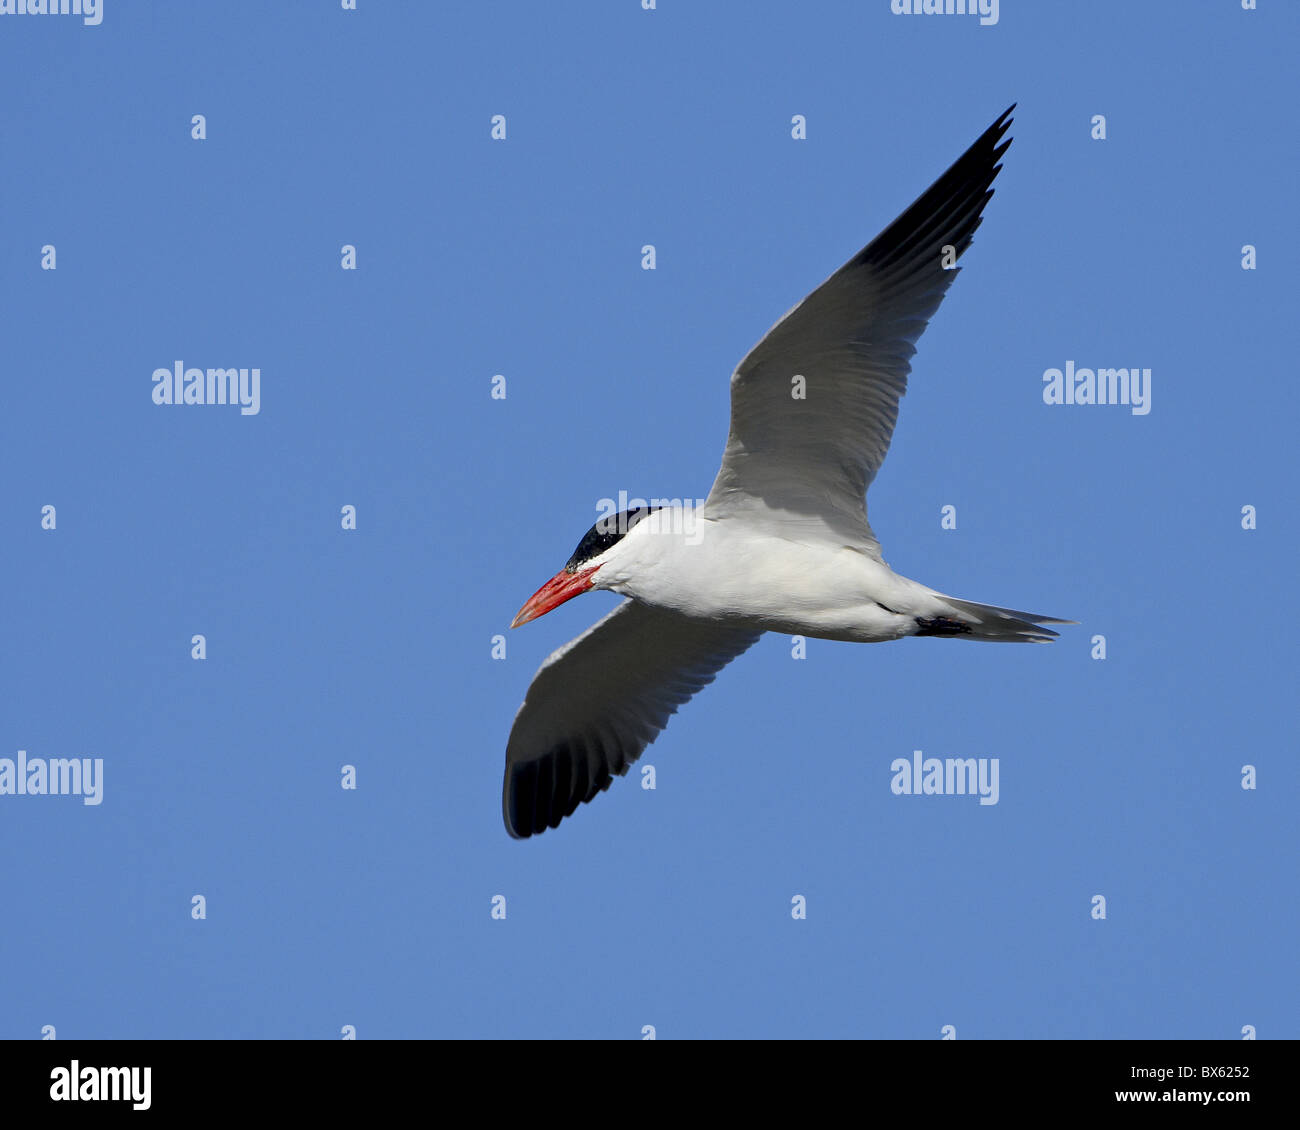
x=595, y=704
x=852, y=341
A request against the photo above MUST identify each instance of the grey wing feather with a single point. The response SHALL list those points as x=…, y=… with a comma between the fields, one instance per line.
x=597, y=702
x=811, y=460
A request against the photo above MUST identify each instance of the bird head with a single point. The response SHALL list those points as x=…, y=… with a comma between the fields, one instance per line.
x=581, y=572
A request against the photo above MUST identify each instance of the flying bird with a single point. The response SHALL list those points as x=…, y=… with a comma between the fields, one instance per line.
x=782, y=543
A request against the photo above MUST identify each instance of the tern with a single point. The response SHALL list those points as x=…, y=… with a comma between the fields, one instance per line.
x=782, y=543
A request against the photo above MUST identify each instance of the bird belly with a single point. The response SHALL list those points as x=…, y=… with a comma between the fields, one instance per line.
x=826, y=592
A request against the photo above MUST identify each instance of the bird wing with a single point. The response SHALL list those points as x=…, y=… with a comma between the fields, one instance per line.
x=851, y=340
x=598, y=701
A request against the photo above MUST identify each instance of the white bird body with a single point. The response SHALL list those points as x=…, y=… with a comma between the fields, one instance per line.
x=685, y=562
x=782, y=543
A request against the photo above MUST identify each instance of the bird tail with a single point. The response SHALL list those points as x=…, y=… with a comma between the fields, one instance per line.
x=973, y=621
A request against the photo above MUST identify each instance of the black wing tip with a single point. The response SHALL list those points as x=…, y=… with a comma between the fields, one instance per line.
x=950, y=209
x=989, y=148
x=541, y=794
x=995, y=137
x=516, y=797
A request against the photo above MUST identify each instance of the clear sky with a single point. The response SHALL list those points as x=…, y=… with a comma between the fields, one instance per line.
x=373, y=648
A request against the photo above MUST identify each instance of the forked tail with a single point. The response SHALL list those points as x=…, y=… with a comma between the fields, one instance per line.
x=973, y=621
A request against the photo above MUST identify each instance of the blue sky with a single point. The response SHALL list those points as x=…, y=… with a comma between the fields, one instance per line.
x=671, y=908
